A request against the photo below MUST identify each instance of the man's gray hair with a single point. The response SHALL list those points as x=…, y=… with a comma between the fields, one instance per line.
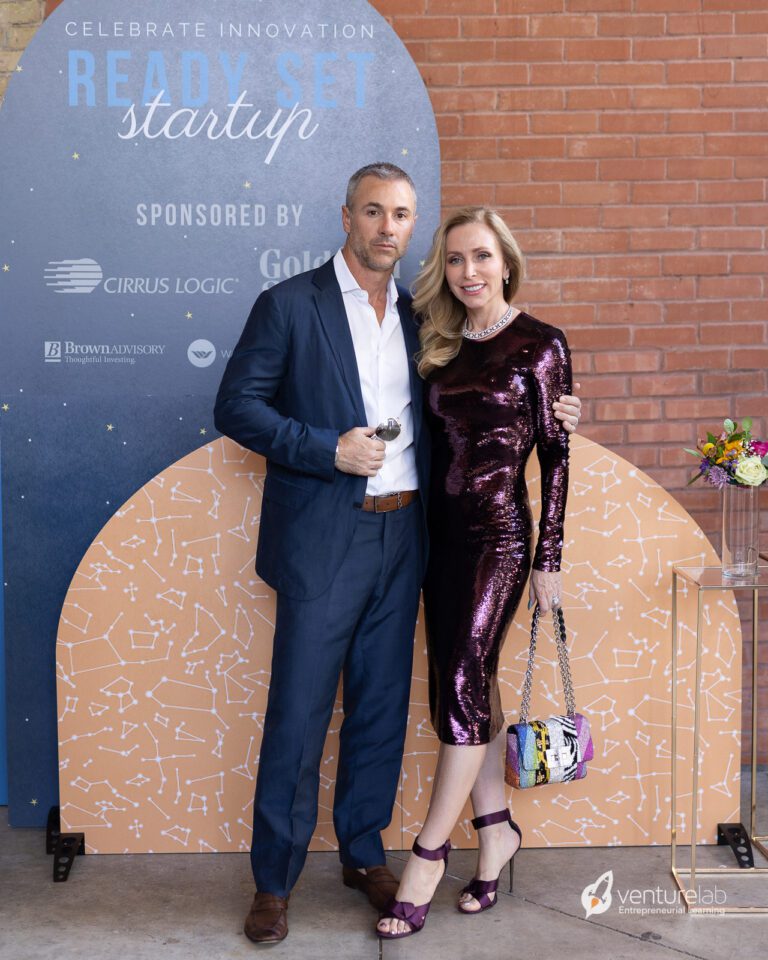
x=383, y=171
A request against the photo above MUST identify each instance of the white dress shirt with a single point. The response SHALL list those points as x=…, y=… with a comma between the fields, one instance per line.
x=382, y=363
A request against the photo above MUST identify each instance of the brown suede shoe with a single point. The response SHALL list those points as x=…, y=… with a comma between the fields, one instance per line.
x=267, y=920
x=379, y=884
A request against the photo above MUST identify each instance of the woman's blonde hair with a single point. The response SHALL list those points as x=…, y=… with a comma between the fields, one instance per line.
x=442, y=315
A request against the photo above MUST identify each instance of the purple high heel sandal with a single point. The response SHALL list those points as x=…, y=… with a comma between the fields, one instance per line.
x=481, y=890
x=409, y=912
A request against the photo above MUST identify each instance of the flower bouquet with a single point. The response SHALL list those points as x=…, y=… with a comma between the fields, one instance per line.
x=737, y=464
x=733, y=457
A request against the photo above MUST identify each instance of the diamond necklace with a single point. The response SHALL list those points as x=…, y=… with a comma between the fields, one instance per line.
x=489, y=331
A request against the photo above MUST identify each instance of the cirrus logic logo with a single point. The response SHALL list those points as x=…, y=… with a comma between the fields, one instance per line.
x=73, y=276
x=84, y=275
x=201, y=353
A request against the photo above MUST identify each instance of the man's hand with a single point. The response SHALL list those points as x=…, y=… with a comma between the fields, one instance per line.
x=568, y=409
x=360, y=452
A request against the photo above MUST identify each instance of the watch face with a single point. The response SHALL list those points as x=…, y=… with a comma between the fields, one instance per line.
x=389, y=430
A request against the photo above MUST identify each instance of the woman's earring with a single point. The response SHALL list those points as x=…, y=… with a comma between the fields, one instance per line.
x=506, y=279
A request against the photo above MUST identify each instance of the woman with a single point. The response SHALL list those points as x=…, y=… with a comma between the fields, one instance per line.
x=493, y=372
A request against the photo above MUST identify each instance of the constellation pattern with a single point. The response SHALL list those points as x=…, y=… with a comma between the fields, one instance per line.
x=165, y=642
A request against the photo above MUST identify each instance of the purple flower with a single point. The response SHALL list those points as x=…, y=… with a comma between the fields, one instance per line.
x=718, y=477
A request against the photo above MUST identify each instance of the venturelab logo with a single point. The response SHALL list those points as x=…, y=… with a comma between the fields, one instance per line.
x=597, y=897
x=201, y=353
x=73, y=276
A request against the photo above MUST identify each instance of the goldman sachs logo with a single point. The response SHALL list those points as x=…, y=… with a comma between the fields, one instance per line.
x=84, y=276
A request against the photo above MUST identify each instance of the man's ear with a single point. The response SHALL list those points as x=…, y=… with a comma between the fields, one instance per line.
x=345, y=217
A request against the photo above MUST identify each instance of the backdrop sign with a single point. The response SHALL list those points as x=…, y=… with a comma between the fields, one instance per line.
x=165, y=645
x=159, y=169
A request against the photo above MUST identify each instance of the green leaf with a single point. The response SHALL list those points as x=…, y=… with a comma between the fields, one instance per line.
x=711, y=438
x=746, y=424
x=693, y=453
x=729, y=426
x=765, y=460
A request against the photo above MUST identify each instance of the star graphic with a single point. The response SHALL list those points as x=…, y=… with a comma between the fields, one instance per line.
x=422, y=262
x=188, y=315
x=6, y=268
x=110, y=427
x=5, y=408
x=33, y=801
x=19, y=68
x=247, y=184
x=203, y=431
x=404, y=151
x=75, y=155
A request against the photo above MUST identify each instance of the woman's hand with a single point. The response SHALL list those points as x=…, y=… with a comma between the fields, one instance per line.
x=545, y=589
x=568, y=409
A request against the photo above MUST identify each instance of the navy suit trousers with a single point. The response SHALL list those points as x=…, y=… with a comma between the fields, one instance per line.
x=362, y=628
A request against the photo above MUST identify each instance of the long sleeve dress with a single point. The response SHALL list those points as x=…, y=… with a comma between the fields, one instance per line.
x=487, y=409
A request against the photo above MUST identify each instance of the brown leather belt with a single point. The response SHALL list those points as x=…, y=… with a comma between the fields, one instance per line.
x=390, y=501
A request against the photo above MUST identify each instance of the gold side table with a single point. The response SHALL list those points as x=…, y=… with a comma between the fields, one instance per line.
x=703, y=579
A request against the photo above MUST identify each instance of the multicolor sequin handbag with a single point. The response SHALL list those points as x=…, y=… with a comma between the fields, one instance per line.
x=554, y=750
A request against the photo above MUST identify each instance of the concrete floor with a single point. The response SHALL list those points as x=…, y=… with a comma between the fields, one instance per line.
x=192, y=907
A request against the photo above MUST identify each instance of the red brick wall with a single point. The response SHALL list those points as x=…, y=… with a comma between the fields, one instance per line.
x=625, y=142
x=19, y=19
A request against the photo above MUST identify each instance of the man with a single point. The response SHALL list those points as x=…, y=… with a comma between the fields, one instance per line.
x=323, y=359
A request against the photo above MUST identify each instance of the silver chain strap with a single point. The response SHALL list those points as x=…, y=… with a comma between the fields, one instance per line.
x=562, y=656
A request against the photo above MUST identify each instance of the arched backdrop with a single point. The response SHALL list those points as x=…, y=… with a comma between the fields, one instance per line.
x=164, y=649
x=161, y=165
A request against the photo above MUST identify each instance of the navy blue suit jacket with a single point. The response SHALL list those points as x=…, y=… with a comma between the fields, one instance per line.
x=290, y=389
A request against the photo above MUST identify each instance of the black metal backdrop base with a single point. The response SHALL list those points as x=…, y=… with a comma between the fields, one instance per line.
x=737, y=838
x=64, y=846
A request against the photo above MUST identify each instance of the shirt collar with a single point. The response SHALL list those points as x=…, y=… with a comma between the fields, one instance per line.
x=348, y=283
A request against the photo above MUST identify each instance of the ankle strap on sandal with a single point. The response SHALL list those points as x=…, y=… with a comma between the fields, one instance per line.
x=440, y=854
x=488, y=819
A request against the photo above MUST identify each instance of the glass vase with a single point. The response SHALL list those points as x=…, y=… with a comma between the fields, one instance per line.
x=741, y=530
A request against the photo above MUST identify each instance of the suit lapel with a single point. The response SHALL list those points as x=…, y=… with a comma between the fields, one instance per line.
x=333, y=316
x=412, y=346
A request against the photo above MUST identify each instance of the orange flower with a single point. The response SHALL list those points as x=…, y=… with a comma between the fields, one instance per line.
x=731, y=451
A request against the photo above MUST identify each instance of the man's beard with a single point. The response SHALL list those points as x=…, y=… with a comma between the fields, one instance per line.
x=366, y=256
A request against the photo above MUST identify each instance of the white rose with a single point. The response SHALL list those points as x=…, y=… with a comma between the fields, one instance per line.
x=750, y=471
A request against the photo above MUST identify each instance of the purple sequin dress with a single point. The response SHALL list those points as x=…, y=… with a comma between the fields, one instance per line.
x=488, y=408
